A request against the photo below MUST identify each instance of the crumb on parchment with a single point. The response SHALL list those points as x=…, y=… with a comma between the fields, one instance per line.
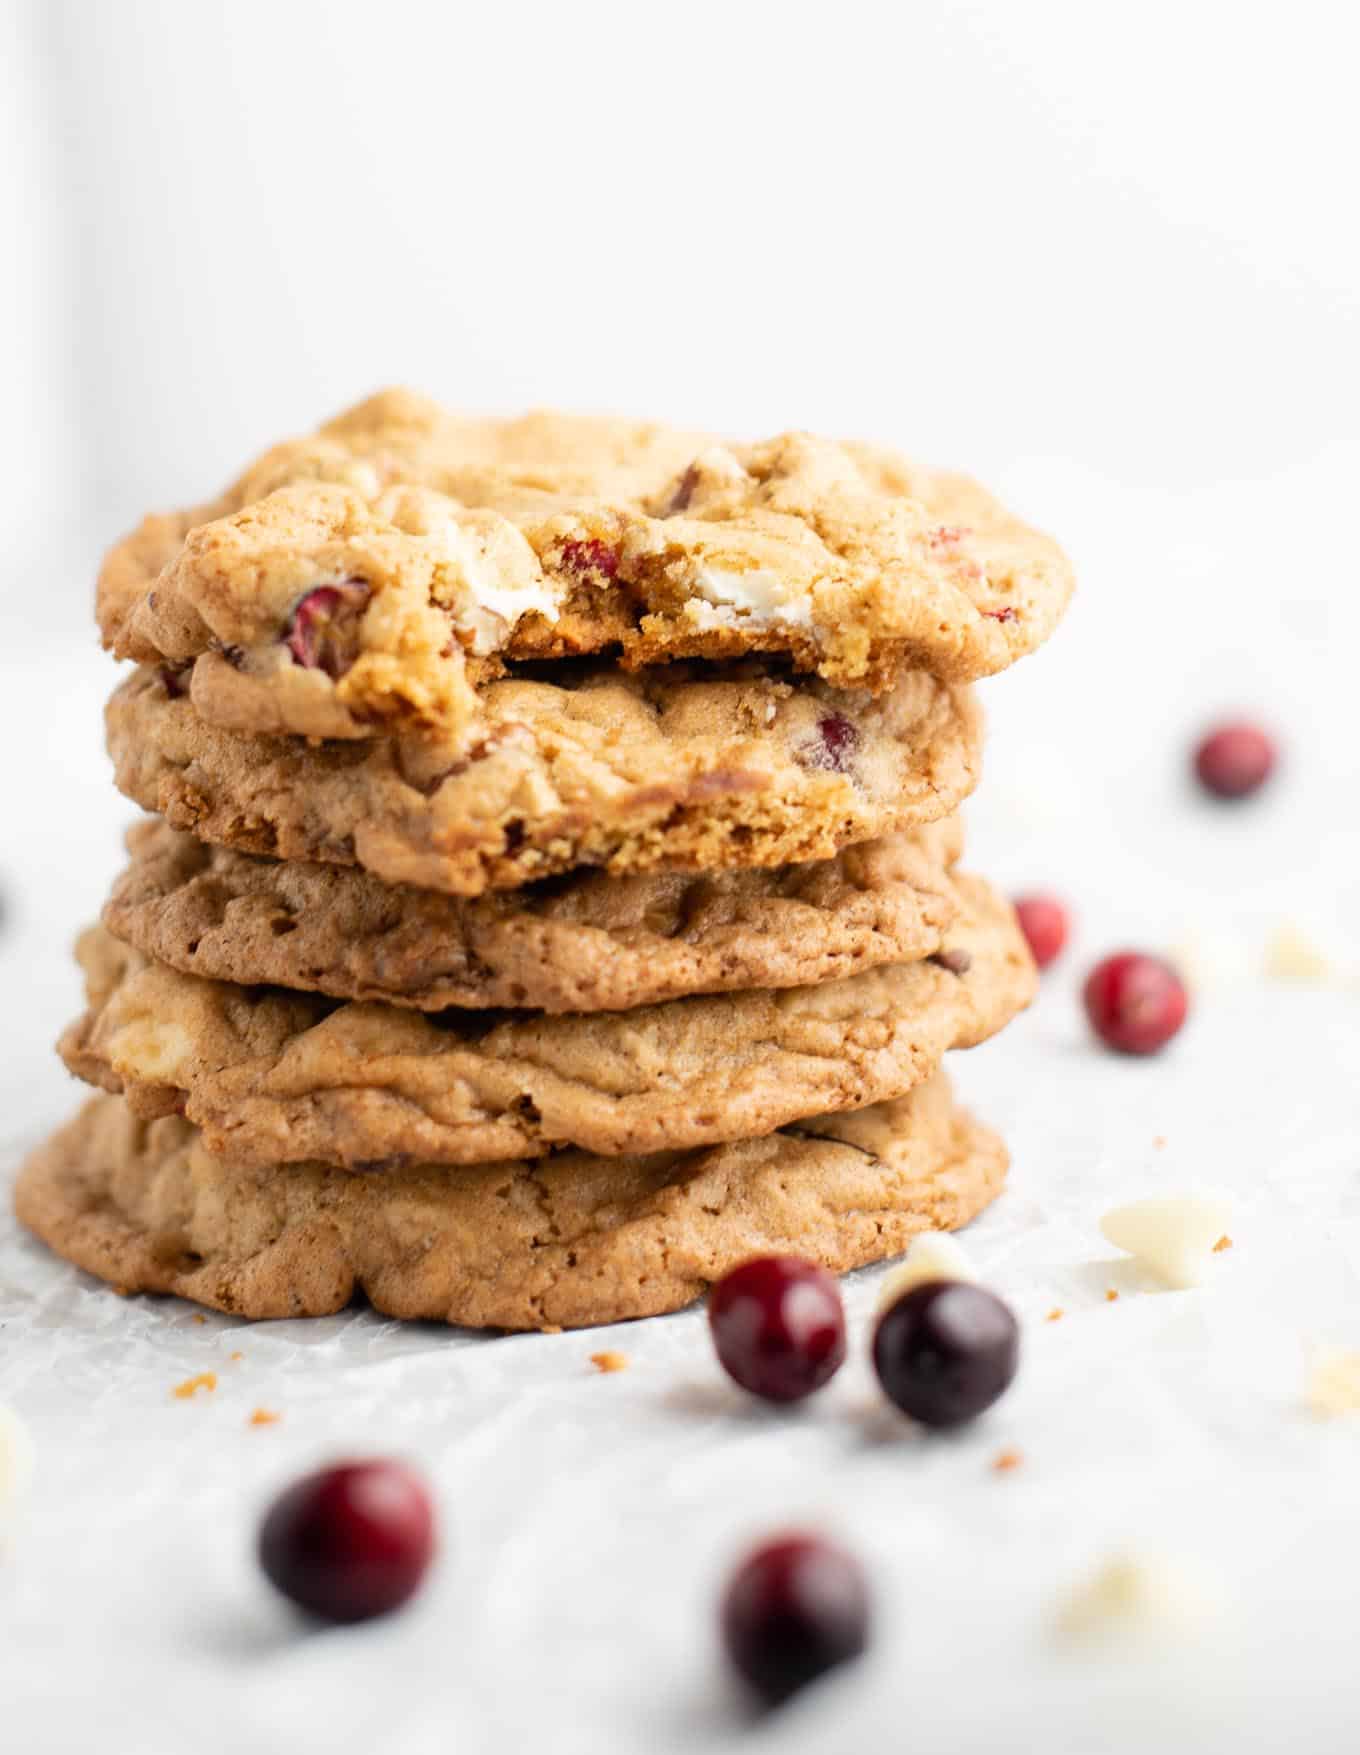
x=609, y=1361
x=264, y=1417
x=186, y=1391
x=1005, y=1462
x=1224, y=1242
x=1056, y=1314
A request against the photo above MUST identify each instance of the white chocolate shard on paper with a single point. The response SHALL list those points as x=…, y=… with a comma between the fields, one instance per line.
x=1132, y=1596
x=1172, y=1236
x=933, y=1255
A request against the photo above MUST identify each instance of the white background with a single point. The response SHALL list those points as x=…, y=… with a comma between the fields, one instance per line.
x=1108, y=260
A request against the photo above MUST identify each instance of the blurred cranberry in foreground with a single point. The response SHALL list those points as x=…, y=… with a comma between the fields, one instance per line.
x=1135, y=1003
x=945, y=1351
x=1043, y=920
x=350, y=1542
x=1235, y=760
x=778, y=1326
x=794, y=1609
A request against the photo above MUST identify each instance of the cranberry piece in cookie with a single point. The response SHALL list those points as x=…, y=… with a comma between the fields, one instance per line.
x=1235, y=760
x=324, y=631
x=587, y=556
x=796, y=1608
x=350, y=1542
x=778, y=1326
x=1136, y=1003
x=834, y=746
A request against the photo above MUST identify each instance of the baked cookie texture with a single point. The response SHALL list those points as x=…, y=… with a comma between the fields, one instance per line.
x=564, y=1242
x=659, y=770
x=369, y=578
x=276, y=1077
x=584, y=942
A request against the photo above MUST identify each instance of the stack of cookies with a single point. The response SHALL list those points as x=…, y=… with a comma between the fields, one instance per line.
x=553, y=896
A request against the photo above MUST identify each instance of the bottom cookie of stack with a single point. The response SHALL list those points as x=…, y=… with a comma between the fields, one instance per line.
x=562, y=1242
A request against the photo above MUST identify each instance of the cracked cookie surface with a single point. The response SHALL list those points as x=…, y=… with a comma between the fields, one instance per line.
x=368, y=578
x=675, y=769
x=584, y=942
x=276, y=1077
x=566, y=1242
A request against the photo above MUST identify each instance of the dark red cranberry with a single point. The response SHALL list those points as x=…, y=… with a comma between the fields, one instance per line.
x=684, y=492
x=1235, y=760
x=945, y=1351
x=1135, y=1003
x=835, y=744
x=350, y=1542
x=1043, y=920
x=173, y=679
x=584, y=555
x=795, y=1608
x=957, y=962
x=324, y=631
x=1002, y=615
x=778, y=1326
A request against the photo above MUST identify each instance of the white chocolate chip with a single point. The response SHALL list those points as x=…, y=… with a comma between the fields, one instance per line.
x=1132, y=1596
x=16, y=1459
x=1206, y=960
x=757, y=595
x=934, y=1255
x=1292, y=956
x=1334, y=1382
x=1173, y=1236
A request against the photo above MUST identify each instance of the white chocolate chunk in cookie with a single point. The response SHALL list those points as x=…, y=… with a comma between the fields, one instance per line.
x=934, y=1255
x=1173, y=1236
x=756, y=595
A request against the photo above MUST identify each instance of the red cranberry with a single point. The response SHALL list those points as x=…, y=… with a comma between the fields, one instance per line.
x=835, y=744
x=1135, y=1003
x=945, y=1351
x=172, y=679
x=582, y=555
x=1043, y=920
x=795, y=1608
x=1009, y=614
x=350, y=1542
x=324, y=631
x=778, y=1326
x=1234, y=760
x=684, y=492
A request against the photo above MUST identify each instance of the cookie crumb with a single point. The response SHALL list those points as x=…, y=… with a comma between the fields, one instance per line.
x=236, y=1358
x=1006, y=1461
x=1334, y=1382
x=264, y=1417
x=1159, y=1142
x=1111, y=1296
x=187, y=1390
x=609, y=1361
x=1056, y=1314
x=1224, y=1242
x=199, y=1318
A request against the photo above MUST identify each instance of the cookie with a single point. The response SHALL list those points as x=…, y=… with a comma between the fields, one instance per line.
x=567, y=1242
x=367, y=579
x=277, y=1077
x=674, y=769
x=581, y=943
